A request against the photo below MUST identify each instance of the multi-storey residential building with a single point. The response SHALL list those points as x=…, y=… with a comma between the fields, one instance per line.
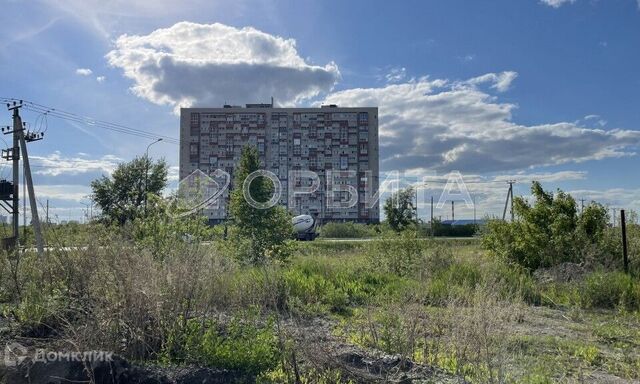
x=339, y=144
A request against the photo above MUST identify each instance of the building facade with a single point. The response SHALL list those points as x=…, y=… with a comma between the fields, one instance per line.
x=339, y=145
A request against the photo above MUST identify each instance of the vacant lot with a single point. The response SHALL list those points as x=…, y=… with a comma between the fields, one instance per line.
x=396, y=308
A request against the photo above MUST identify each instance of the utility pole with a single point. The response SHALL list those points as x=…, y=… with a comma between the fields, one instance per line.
x=35, y=220
x=24, y=205
x=581, y=205
x=474, y=209
x=506, y=203
x=20, y=145
x=17, y=127
x=453, y=211
x=47, y=212
x=623, y=225
x=431, y=225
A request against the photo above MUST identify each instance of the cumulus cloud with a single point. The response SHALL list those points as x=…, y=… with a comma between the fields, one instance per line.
x=557, y=3
x=445, y=125
x=55, y=164
x=101, y=79
x=83, y=71
x=192, y=64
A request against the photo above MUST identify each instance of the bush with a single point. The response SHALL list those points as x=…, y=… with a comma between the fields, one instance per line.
x=347, y=230
x=610, y=290
x=400, y=254
x=243, y=344
x=406, y=255
x=548, y=232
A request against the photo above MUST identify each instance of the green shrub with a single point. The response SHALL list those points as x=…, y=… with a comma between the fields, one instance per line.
x=548, y=232
x=243, y=344
x=313, y=292
x=400, y=254
x=610, y=290
x=347, y=230
x=458, y=282
x=323, y=285
x=513, y=281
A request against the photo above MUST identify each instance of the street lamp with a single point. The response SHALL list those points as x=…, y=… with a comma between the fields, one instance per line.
x=146, y=172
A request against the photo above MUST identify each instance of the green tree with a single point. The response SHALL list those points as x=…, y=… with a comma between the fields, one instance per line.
x=121, y=196
x=400, y=210
x=547, y=232
x=263, y=234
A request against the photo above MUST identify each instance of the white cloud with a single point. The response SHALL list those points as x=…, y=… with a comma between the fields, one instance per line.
x=442, y=126
x=558, y=3
x=83, y=71
x=66, y=192
x=619, y=198
x=55, y=164
x=396, y=75
x=499, y=81
x=174, y=174
x=596, y=119
x=543, y=177
x=191, y=64
x=101, y=79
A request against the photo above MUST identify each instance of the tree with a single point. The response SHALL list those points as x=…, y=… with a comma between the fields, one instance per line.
x=121, y=196
x=263, y=233
x=547, y=232
x=400, y=210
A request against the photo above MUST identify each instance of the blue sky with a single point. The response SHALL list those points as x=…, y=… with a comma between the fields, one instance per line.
x=528, y=89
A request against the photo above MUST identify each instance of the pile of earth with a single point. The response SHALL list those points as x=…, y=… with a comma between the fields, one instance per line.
x=561, y=273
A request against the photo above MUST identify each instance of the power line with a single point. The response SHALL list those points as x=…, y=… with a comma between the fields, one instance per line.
x=46, y=111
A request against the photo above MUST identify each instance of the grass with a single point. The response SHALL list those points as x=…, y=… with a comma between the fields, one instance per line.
x=444, y=303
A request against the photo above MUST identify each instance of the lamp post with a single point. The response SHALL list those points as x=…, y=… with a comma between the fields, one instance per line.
x=146, y=173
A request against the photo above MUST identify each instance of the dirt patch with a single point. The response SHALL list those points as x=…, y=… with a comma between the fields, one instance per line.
x=321, y=349
x=561, y=273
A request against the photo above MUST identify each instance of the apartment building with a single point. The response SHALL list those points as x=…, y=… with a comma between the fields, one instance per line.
x=338, y=144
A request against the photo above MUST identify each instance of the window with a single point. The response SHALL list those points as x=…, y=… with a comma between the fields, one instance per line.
x=344, y=162
x=193, y=149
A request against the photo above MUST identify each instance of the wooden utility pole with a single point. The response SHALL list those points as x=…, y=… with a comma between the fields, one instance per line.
x=20, y=145
x=432, y=232
x=474, y=210
x=35, y=220
x=17, y=127
x=453, y=211
x=581, y=205
x=506, y=203
x=623, y=225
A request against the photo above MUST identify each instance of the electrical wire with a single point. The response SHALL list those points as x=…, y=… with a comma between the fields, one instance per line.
x=70, y=116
